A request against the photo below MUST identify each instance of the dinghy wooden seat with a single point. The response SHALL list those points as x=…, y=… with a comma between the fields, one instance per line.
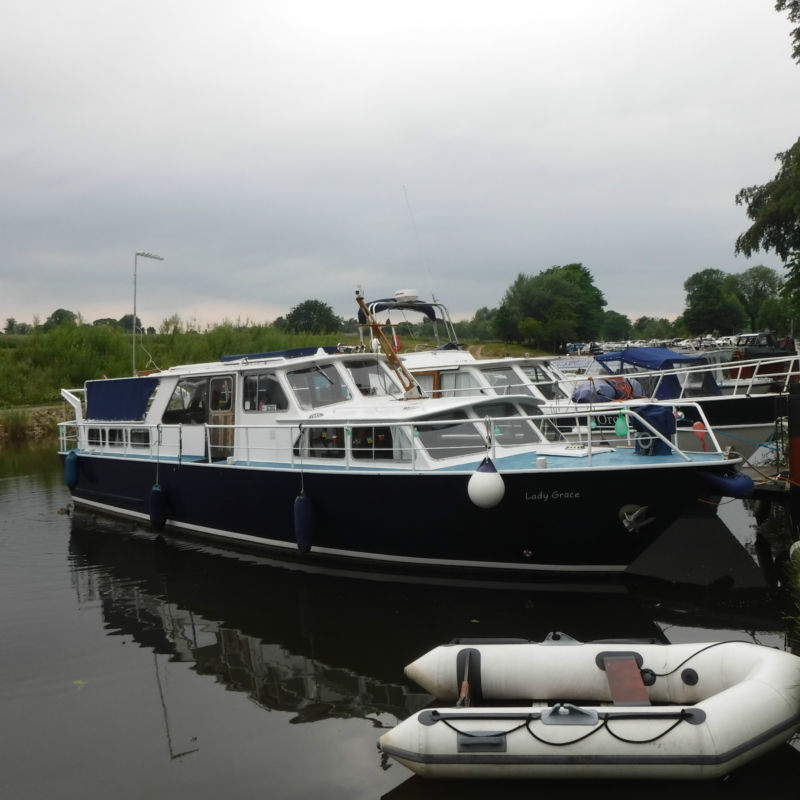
x=564, y=709
x=625, y=681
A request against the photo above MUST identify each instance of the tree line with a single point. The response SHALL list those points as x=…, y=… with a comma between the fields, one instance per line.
x=554, y=306
x=562, y=304
x=544, y=310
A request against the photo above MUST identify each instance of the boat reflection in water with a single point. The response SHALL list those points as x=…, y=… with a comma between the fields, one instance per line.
x=322, y=644
x=243, y=624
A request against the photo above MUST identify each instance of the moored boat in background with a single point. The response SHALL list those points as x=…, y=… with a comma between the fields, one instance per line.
x=741, y=399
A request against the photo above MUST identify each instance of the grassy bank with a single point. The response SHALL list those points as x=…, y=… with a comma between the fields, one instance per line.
x=20, y=425
x=36, y=366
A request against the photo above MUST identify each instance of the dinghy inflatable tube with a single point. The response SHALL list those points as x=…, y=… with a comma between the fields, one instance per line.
x=553, y=711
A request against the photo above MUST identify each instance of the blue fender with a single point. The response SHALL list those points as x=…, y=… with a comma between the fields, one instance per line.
x=71, y=469
x=158, y=508
x=303, y=522
x=736, y=484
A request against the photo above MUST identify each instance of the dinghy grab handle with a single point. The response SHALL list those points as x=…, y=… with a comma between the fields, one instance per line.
x=431, y=716
x=600, y=659
x=568, y=714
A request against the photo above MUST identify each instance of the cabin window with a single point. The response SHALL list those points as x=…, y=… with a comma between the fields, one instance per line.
x=452, y=437
x=505, y=381
x=508, y=432
x=458, y=384
x=317, y=386
x=263, y=393
x=140, y=437
x=546, y=426
x=116, y=437
x=189, y=403
x=544, y=382
x=372, y=443
x=96, y=437
x=372, y=378
x=323, y=442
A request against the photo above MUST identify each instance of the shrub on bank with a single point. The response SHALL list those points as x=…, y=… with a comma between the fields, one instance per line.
x=14, y=425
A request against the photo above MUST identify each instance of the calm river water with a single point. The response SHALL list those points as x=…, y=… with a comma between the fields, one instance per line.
x=136, y=668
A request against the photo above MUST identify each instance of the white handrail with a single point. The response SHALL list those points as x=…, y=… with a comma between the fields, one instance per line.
x=246, y=446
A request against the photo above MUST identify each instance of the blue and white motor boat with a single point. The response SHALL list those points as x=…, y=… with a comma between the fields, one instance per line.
x=308, y=452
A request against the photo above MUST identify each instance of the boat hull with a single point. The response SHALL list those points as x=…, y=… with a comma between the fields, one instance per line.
x=691, y=755
x=547, y=520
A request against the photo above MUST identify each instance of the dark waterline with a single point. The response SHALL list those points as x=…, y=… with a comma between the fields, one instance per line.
x=134, y=667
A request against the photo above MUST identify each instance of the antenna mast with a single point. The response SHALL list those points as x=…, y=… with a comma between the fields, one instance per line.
x=419, y=248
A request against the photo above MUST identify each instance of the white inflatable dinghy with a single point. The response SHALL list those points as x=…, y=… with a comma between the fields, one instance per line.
x=564, y=709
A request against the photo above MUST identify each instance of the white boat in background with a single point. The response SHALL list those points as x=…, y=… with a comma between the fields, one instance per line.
x=741, y=399
x=564, y=709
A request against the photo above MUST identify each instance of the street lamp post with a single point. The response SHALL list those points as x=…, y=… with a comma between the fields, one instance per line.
x=133, y=326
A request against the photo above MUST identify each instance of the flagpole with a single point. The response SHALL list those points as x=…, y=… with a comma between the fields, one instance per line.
x=140, y=254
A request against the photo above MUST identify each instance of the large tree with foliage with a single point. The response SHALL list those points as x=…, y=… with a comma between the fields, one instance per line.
x=313, y=316
x=776, y=315
x=648, y=328
x=616, y=327
x=793, y=7
x=753, y=288
x=774, y=208
x=481, y=326
x=711, y=304
x=126, y=323
x=563, y=300
x=59, y=316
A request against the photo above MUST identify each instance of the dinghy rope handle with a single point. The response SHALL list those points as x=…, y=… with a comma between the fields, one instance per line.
x=695, y=654
x=693, y=716
x=679, y=716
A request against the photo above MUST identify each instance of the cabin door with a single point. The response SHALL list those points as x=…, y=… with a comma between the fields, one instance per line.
x=221, y=411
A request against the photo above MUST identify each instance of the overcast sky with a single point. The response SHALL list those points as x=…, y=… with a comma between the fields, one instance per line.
x=274, y=152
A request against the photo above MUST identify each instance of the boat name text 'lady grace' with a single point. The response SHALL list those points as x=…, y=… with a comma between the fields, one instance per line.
x=543, y=497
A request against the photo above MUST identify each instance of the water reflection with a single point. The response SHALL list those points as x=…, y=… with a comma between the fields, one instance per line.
x=249, y=628
x=322, y=649
x=327, y=645
x=38, y=459
x=323, y=646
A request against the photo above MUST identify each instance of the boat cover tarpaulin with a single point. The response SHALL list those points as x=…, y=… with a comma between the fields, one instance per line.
x=601, y=390
x=662, y=419
x=650, y=358
x=119, y=398
x=654, y=359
